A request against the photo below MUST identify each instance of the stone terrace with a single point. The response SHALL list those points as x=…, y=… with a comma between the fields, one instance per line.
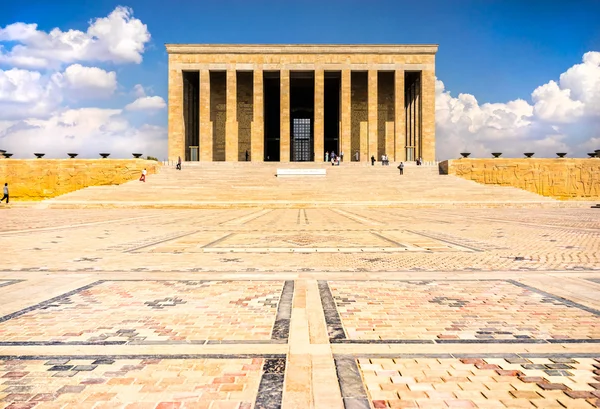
x=218, y=185
x=324, y=307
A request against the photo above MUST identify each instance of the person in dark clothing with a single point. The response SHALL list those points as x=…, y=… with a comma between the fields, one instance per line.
x=401, y=167
x=5, y=193
x=372, y=160
x=247, y=156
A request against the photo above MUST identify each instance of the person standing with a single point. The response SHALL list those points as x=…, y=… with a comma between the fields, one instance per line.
x=247, y=156
x=143, y=177
x=372, y=160
x=179, y=163
x=327, y=156
x=342, y=156
x=401, y=167
x=356, y=156
x=5, y=193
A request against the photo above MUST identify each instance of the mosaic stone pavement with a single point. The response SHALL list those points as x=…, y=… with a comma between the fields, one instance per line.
x=141, y=312
x=350, y=308
x=453, y=311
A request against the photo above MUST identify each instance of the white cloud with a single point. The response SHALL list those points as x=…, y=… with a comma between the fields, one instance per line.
x=562, y=117
x=117, y=38
x=87, y=82
x=87, y=131
x=26, y=94
x=139, y=91
x=33, y=112
x=146, y=104
x=29, y=94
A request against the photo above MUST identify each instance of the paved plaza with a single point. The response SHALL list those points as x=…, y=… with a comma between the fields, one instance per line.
x=342, y=307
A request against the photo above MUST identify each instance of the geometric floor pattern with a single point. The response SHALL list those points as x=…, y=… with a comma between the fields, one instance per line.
x=250, y=308
x=453, y=311
x=485, y=382
x=141, y=312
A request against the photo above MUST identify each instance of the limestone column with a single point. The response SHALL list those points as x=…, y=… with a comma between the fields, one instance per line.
x=176, y=125
x=346, y=109
x=372, y=115
x=284, y=116
x=428, y=114
x=319, y=128
x=231, y=125
x=257, y=138
x=400, y=118
x=206, y=127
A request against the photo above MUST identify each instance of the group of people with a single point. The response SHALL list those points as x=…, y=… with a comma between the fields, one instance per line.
x=333, y=158
x=335, y=161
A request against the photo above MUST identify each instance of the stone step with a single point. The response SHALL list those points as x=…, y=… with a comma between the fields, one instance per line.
x=249, y=184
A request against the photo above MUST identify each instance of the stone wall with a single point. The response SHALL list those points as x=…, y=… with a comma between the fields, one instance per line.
x=574, y=179
x=359, y=114
x=218, y=113
x=38, y=179
x=286, y=58
x=245, y=111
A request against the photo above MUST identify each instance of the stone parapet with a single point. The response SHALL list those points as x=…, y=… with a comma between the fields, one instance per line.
x=39, y=179
x=565, y=179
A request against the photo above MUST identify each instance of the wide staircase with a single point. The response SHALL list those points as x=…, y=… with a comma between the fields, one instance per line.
x=244, y=184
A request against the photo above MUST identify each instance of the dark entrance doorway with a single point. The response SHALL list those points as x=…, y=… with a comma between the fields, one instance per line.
x=272, y=117
x=301, y=139
x=333, y=80
x=302, y=103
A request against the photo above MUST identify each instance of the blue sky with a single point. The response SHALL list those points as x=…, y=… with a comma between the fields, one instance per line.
x=497, y=51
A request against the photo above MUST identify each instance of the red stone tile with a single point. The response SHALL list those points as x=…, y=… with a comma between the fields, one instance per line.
x=579, y=394
x=552, y=386
x=169, y=405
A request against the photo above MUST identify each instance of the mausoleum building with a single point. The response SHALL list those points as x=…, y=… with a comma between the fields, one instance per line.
x=296, y=102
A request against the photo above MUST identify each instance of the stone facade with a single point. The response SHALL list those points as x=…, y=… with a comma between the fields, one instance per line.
x=558, y=178
x=373, y=108
x=38, y=179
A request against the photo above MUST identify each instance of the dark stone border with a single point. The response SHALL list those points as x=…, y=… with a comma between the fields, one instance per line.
x=161, y=241
x=353, y=391
x=337, y=335
x=430, y=236
x=594, y=280
x=335, y=329
x=4, y=282
x=281, y=327
x=140, y=356
x=279, y=334
x=270, y=389
x=482, y=355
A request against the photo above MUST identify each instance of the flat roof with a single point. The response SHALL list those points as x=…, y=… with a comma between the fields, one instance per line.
x=301, y=48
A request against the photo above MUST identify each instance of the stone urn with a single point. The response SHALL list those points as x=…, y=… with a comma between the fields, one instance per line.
x=592, y=155
x=465, y=154
x=137, y=155
x=72, y=155
x=561, y=155
x=7, y=155
x=496, y=154
x=105, y=155
x=528, y=154
x=39, y=155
